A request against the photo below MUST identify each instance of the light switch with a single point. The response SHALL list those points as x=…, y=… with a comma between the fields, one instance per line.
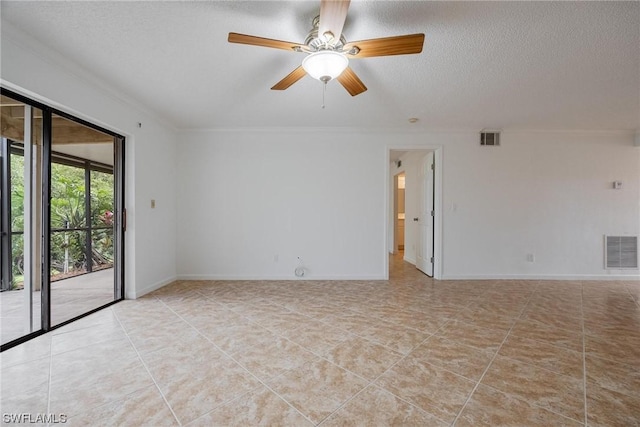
x=617, y=185
x=153, y=203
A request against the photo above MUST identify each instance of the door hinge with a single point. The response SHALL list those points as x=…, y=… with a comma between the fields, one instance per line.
x=433, y=213
x=124, y=220
x=432, y=260
x=433, y=166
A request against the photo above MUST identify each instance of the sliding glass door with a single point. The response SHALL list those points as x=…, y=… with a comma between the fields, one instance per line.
x=20, y=219
x=82, y=219
x=62, y=218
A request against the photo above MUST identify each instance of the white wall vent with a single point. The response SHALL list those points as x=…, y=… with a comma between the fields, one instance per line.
x=489, y=138
x=620, y=252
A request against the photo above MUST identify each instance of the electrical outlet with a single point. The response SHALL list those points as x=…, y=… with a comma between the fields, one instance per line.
x=153, y=204
x=531, y=258
x=276, y=258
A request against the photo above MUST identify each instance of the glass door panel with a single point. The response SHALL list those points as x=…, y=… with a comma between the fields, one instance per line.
x=102, y=219
x=82, y=219
x=21, y=219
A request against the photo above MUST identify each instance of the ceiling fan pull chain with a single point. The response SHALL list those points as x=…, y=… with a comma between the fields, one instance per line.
x=324, y=90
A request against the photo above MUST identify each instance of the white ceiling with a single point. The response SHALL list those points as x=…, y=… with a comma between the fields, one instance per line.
x=509, y=65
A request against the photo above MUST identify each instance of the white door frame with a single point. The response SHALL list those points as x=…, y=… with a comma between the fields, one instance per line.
x=438, y=155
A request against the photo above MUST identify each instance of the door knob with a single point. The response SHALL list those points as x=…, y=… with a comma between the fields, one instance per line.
x=415, y=219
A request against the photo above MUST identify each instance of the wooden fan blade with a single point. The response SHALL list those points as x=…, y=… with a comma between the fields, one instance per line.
x=386, y=46
x=332, y=16
x=293, y=77
x=261, y=41
x=351, y=82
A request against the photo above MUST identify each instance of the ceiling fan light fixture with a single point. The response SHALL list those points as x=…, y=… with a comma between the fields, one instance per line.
x=325, y=65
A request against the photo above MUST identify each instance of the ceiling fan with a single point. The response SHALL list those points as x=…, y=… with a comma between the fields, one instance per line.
x=328, y=52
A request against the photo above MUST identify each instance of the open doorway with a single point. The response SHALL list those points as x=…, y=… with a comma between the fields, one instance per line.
x=399, y=213
x=415, y=231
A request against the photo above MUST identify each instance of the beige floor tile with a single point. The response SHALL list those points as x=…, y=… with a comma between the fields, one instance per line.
x=623, y=349
x=485, y=318
x=557, y=320
x=550, y=305
x=396, y=337
x=261, y=407
x=144, y=313
x=76, y=395
x=317, y=389
x=25, y=376
x=271, y=359
x=185, y=357
x=492, y=408
x=86, y=336
x=422, y=321
x=470, y=362
x=432, y=389
x=25, y=387
x=363, y=357
x=553, y=358
x=555, y=392
x=318, y=312
x=238, y=336
x=34, y=349
x=283, y=322
x=376, y=407
x=505, y=309
x=159, y=336
x=351, y=321
x=614, y=376
x=634, y=291
x=472, y=335
x=200, y=391
x=439, y=307
x=85, y=363
x=317, y=336
x=607, y=408
x=143, y=407
x=545, y=333
x=618, y=329
x=203, y=318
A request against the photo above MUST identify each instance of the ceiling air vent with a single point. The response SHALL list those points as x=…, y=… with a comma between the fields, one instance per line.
x=621, y=252
x=490, y=138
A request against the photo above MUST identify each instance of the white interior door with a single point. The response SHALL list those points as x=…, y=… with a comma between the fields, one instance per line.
x=424, y=252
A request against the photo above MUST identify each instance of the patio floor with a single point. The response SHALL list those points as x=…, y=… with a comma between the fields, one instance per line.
x=69, y=298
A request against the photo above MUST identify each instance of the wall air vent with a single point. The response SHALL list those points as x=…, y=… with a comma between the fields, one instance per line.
x=490, y=138
x=620, y=252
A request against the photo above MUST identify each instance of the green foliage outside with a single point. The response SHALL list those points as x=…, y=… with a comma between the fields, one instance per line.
x=67, y=212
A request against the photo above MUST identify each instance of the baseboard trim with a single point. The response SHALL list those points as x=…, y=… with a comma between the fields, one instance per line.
x=285, y=278
x=611, y=277
x=137, y=293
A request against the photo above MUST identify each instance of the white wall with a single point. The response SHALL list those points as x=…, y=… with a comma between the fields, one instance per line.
x=248, y=197
x=28, y=68
x=548, y=194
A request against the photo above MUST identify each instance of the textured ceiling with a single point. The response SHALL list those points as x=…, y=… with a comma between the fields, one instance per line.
x=510, y=65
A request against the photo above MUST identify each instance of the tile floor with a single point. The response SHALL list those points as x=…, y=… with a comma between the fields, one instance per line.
x=408, y=351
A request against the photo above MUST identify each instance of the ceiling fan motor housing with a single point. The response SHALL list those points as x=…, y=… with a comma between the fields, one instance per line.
x=316, y=43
